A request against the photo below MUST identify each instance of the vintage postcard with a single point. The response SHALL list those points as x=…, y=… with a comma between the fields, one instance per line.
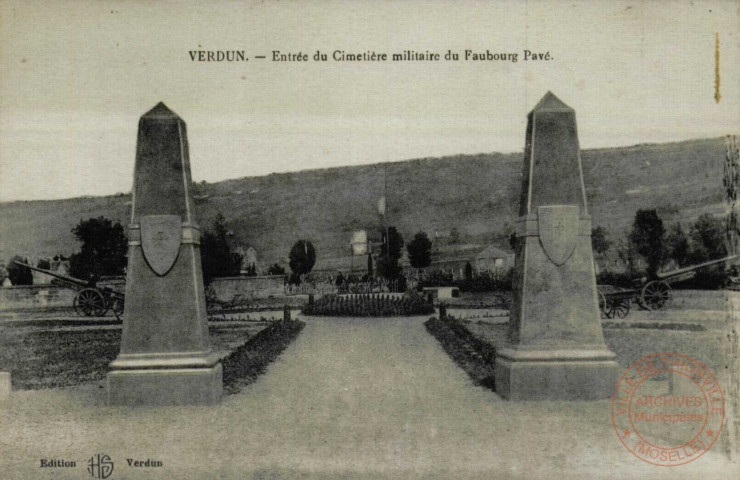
x=369, y=239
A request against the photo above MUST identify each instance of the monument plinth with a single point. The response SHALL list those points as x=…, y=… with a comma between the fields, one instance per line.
x=166, y=356
x=557, y=344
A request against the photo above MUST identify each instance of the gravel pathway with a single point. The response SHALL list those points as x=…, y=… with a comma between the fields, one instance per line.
x=350, y=398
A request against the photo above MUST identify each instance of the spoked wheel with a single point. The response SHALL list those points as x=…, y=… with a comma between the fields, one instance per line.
x=90, y=302
x=622, y=307
x=611, y=309
x=655, y=295
x=117, y=307
x=603, y=305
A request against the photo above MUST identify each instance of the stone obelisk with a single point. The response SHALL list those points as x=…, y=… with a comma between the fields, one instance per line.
x=166, y=356
x=557, y=345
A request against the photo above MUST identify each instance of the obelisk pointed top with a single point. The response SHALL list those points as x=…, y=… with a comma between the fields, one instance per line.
x=160, y=110
x=162, y=173
x=552, y=164
x=550, y=102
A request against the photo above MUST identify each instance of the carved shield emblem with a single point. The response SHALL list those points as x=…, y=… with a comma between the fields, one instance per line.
x=558, y=227
x=160, y=241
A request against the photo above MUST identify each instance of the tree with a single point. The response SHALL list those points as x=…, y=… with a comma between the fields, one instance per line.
x=216, y=255
x=599, y=240
x=468, y=271
x=513, y=241
x=390, y=253
x=302, y=258
x=626, y=253
x=707, y=239
x=276, y=269
x=103, y=251
x=395, y=245
x=732, y=183
x=43, y=263
x=678, y=246
x=420, y=251
x=647, y=237
x=369, y=265
x=18, y=274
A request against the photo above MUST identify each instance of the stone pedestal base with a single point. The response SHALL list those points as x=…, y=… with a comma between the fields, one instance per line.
x=5, y=386
x=556, y=374
x=182, y=386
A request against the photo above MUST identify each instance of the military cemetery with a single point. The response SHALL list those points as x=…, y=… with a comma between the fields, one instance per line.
x=356, y=240
x=497, y=336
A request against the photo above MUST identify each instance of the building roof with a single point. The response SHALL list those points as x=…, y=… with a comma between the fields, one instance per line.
x=458, y=247
x=492, y=251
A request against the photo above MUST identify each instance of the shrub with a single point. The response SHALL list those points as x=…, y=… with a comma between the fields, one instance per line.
x=486, y=282
x=18, y=274
x=420, y=251
x=302, y=259
x=617, y=279
x=216, y=254
x=713, y=278
x=599, y=240
x=390, y=252
x=437, y=279
x=104, y=249
x=276, y=269
x=368, y=305
x=648, y=238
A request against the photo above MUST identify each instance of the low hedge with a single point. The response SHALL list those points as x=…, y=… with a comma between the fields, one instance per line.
x=474, y=356
x=249, y=361
x=368, y=305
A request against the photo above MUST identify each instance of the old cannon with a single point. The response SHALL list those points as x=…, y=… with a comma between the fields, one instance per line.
x=91, y=300
x=650, y=294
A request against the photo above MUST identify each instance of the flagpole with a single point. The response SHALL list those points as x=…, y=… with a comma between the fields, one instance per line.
x=385, y=214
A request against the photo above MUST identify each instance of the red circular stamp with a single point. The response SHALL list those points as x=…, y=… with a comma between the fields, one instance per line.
x=668, y=423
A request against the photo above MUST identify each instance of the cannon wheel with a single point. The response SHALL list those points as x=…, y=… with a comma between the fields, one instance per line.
x=654, y=295
x=90, y=302
x=622, y=307
x=603, y=305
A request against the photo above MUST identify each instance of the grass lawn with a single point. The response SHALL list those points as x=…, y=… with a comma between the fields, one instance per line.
x=39, y=357
x=632, y=344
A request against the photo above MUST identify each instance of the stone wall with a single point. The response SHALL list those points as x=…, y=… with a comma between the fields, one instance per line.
x=249, y=287
x=35, y=296
x=51, y=296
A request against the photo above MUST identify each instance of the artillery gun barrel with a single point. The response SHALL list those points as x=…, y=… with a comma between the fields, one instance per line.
x=64, y=278
x=685, y=270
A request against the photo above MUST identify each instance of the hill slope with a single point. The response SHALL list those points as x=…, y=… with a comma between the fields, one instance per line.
x=476, y=195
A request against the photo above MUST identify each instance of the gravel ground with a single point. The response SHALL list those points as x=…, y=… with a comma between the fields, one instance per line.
x=350, y=398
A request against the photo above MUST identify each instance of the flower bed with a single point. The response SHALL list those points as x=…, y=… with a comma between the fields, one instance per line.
x=369, y=305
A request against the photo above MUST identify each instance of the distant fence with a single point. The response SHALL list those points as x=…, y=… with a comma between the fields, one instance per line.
x=329, y=284
x=265, y=286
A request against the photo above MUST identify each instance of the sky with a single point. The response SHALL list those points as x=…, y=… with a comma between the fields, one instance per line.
x=75, y=77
